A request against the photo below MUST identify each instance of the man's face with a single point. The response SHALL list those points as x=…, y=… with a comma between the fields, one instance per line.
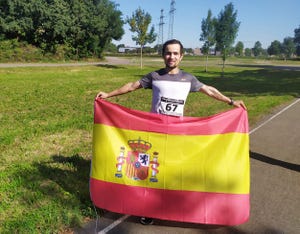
x=172, y=55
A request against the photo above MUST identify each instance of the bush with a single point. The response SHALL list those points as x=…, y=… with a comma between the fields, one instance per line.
x=15, y=51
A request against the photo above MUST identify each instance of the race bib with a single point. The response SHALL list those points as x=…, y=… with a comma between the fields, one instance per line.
x=171, y=106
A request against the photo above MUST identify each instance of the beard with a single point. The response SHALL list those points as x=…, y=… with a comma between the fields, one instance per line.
x=171, y=64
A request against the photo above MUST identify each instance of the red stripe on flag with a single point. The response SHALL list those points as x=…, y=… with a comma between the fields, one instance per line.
x=202, y=207
x=121, y=117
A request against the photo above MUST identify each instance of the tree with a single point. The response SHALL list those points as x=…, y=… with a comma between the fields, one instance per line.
x=208, y=34
x=111, y=48
x=275, y=48
x=120, y=46
x=81, y=27
x=139, y=23
x=188, y=51
x=297, y=40
x=257, y=49
x=94, y=24
x=52, y=26
x=248, y=52
x=239, y=48
x=16, y=18
x=288, y=47
x=226, y=31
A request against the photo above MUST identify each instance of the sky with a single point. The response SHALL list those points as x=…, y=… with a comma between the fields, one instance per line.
x=260, y=20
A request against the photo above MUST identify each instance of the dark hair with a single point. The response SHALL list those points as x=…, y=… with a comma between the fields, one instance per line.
x=170, y=42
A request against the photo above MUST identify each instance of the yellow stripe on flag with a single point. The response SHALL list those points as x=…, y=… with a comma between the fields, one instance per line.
x=205, y=163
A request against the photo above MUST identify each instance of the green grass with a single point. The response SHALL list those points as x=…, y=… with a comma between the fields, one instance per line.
x=46, y=122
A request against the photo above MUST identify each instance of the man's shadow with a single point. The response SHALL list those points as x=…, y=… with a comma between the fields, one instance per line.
x=280, y=163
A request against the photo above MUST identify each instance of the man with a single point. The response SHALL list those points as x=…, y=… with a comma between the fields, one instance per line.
x=170, y=87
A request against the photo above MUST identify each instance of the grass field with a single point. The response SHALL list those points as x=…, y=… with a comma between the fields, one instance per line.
x=46, y=120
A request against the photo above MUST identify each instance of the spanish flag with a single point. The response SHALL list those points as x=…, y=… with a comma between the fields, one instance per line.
x=184, y=169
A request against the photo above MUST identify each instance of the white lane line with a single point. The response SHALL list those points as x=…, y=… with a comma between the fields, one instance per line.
x=120, y=220
x=114, y=224
x=280, y=112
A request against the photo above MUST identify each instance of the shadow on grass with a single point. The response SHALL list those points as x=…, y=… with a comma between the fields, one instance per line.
x=255, y=82
x=70, y=173
x=50, y=195
x=265, y=80
x=109, y=66
x=276, y=67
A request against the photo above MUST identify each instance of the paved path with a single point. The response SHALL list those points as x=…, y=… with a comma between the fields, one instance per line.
x=275, y=179
x=108, y=61
x=275, y=186
x=116, y=61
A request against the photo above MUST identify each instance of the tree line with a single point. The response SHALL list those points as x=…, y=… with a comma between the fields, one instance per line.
x=79, y=28
x=219, y=33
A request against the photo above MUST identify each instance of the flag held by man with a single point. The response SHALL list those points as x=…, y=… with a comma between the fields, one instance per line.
x=183, y=169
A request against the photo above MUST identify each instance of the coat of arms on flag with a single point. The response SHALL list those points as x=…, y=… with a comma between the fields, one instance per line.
x=138, y=161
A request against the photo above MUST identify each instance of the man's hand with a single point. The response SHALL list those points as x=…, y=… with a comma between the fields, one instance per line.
x=239, y=103
x=102, y=95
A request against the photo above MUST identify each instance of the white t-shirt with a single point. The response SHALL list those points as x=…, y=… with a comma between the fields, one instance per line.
x=170, y=91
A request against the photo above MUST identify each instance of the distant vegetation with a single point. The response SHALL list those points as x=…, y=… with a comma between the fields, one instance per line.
x=69, y=29
x=36, y=30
